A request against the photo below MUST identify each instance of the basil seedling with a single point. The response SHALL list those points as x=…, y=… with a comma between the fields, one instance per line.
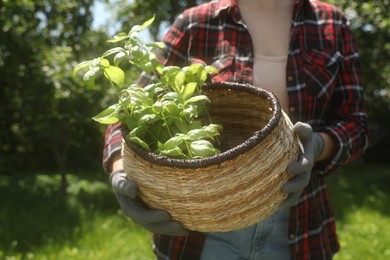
x=166, y=116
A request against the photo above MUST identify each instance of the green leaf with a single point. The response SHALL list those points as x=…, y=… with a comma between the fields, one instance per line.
x=173, y=153
x=147, y=67
x=139, y=131
x=108, y=116
x=169, y=75
x=151, y=87
x=157, y=66
x=139, y=96
x=197, y=134
x=203, y=77
x=213, y=129
x=137, y=28
x=147, y=23
x=119, y=57
x=80, y=66
x=119, y=37
x=171, y=109
x=190, y=77
x=137, y=52
x=89, y=80
x=202, y=149
x=172, y=96
x=189, y=112
x=171, y=69
x=130, y=122
x=113, y=51
x=179, y=81
x=169, y=121
x=104, y=63
x=211, y=69
x=196, y=124
x=189, y=90
x=196, y=68
x=157, y=45
x=196, y=99
x=115, y=74
x=160, y=133
x=139, y=142
x=89, y=77
x=158, y=107
x=148, y=119
x=181, y=125
x=173, y=142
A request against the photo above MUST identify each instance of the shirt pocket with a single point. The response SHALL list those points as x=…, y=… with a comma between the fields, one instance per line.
x=225, y=66
x=320, y=68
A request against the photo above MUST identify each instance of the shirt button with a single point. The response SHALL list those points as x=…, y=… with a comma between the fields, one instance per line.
x=292, y=109
x=291, y=236
x=290, y=78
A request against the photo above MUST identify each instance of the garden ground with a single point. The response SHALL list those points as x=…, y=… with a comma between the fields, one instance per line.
x=38, y=222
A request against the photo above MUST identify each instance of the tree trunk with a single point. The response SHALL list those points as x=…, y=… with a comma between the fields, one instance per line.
x=62, y=169
x=64, y=183
x=61, y=156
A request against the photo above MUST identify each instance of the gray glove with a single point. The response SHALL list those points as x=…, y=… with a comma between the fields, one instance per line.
x=156, y=221
x=300, y=171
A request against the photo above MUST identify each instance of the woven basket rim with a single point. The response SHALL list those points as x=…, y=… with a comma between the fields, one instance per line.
x=229, y=154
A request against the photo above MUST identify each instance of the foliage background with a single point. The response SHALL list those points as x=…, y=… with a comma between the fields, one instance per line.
x=44, y=111
x=45, y=114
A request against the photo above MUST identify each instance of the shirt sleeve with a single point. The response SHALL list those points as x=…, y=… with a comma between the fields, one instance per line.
x=347, y=113
x=112, y=145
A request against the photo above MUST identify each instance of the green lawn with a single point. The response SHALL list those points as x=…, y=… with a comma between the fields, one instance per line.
x=38, y=222
x=360, y=198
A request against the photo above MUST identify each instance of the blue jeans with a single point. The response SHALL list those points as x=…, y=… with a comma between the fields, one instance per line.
x=265, y=240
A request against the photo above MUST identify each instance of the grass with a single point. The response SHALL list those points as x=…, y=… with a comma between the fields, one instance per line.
x=38, y=222
x=359, y=196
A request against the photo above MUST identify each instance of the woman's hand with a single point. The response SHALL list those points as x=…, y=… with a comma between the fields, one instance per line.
x=156, y=221
x=300, y=171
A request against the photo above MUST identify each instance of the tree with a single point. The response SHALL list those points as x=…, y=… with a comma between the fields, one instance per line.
x=138, y=11
x=45, y=113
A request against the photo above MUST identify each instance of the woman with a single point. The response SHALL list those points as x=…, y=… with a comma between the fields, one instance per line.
x=304, y=52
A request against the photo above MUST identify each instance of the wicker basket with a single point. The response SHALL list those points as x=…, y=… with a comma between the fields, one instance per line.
x=234, y=189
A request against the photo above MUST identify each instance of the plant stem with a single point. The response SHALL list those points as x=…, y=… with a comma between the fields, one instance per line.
x=166, y=125
x=189, y=151
x=117, y=91
x=210, y=121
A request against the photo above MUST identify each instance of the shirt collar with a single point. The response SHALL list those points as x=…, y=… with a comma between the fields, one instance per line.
x=224, y=4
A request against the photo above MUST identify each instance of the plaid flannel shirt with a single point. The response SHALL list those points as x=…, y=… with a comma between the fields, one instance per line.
x=324, y=90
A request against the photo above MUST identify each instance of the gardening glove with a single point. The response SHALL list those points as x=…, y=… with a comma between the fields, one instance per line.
x=156, y=221
x=300, y=171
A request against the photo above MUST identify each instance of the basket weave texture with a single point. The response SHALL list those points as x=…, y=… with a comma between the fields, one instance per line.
x=234, y=189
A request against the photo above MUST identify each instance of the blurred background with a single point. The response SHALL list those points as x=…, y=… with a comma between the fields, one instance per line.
x=55, y=199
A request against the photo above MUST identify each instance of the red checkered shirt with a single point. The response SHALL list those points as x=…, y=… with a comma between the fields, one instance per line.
x=324, y=90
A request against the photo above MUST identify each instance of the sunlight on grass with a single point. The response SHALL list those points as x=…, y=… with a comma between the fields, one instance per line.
x=38, y=222
x=104, y=238
x=364, y=234
x=359, y=196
